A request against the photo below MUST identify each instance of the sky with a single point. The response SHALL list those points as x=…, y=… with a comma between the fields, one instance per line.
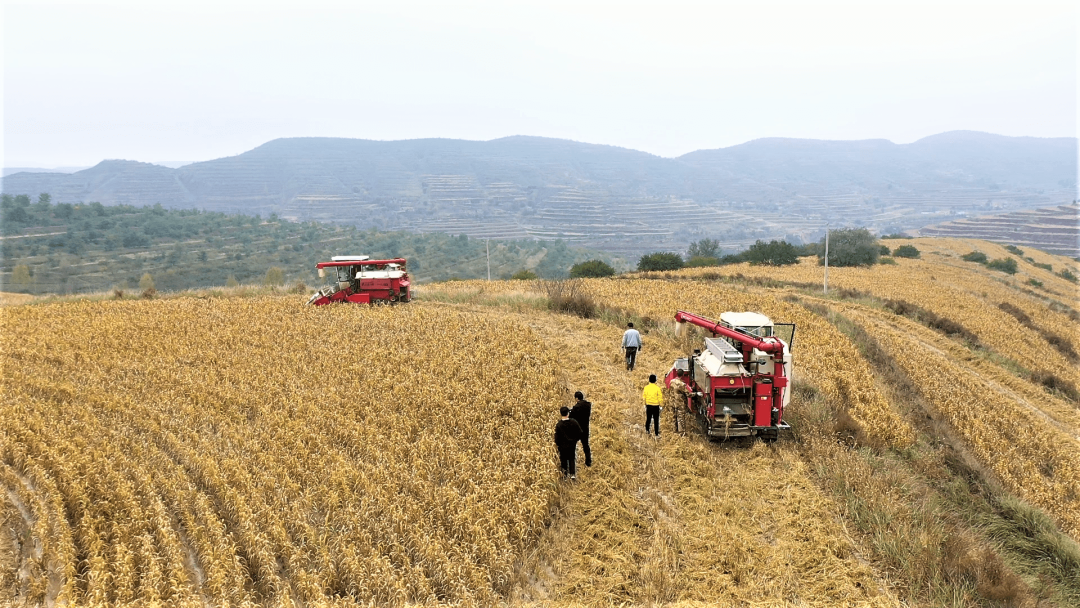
x=187, y=81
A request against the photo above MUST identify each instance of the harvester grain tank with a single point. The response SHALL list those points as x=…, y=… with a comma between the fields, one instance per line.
x=361, y=280
x=739, y=383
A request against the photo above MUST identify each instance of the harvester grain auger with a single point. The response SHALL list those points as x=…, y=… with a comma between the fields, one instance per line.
x=739, y=383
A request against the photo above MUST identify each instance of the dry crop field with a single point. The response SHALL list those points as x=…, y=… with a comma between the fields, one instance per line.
x=203, y=452
x=212, y=451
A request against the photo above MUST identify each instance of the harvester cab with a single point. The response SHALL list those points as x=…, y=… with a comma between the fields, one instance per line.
x=738, y=384
x=361, y=280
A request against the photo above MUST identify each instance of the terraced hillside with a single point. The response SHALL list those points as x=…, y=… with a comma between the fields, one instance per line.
x=618, y=200
x=220, y=451
x=1053, y=229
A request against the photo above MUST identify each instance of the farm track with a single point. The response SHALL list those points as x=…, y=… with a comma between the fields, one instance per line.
x=682, y=520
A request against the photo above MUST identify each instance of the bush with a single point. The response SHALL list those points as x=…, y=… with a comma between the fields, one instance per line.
x=660, y=261
x=1004, y=265
x=591, y=268
x=146, y=283
x=1034, y=282
x=884, y=250
x=887, y=261
x=524, y=275
x=1047, y=267
x=773, y=253
x=897, y=235
x=1067, y=275
x=701, y=262
x=1014, y=250
x=975, y=256
x=275, y=277
x=906, y=251
x=851, y=247
x=569, y=296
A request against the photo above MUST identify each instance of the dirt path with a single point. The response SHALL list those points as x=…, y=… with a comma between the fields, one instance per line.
x=680, y=519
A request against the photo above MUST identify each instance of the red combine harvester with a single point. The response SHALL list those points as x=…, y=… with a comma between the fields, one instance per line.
x=739, y=384
x=364, y=281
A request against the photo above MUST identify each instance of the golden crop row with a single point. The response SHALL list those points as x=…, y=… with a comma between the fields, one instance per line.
x=1034, y=458
x=229, y=451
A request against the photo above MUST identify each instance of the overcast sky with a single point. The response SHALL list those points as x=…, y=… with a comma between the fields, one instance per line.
x=182, y=81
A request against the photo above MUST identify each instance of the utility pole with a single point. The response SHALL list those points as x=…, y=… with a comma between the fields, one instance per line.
x=826, y=259
x=487, y=245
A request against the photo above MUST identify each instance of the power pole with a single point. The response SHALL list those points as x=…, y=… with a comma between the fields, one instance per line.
x=826, y=259
x=487, y=245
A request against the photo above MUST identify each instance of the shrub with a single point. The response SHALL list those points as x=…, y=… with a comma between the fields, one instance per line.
x=851, y=247
x=906, y=251
x=884, y=250
x=700, y=262
x=569, y=296
x=1067, y=275
x=1014, y=250
x=146, y=283
x=660, y=261
x=1007, y=265
x=524, y=275
x=975, y=256
x=275, y=277
x=591, y=268
x=1034, y=282
x=773, y=253
x=887, y=261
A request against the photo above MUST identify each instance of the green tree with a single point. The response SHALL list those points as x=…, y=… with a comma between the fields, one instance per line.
x=591, y=268
x=523, y=275
x=851, y=247
x=705, y=248
x=275, y=277
x=660, y=261
x=773, y=253
x=906, y=251
x=146, y=283
x=44, y=199
x=20, y=275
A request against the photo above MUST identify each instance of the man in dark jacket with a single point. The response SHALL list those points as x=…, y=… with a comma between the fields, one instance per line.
x=567, y=434
x=581, y=412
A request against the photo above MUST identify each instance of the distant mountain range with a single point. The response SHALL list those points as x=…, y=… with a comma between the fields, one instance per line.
x=620, y=200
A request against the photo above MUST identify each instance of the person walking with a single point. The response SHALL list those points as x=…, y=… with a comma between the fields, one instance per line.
x=631, y=343
x=567, y=434
x=581, y=412
x=654, y=398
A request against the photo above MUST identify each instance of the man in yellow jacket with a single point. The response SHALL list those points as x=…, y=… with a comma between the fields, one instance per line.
x=654, y=398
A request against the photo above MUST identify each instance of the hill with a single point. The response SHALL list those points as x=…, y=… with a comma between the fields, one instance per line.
x=206, y=450
x=622, y=201
x=1053, y=229
x=87, y=248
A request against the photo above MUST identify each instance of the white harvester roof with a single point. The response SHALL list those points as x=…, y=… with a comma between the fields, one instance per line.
x=746, y=319
x=380, y=274
x=350, y=258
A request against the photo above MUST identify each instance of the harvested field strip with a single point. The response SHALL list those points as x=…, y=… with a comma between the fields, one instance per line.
x=683, y=520
x=1032, y=458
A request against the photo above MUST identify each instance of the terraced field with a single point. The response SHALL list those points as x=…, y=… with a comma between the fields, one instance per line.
x=196, y=451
